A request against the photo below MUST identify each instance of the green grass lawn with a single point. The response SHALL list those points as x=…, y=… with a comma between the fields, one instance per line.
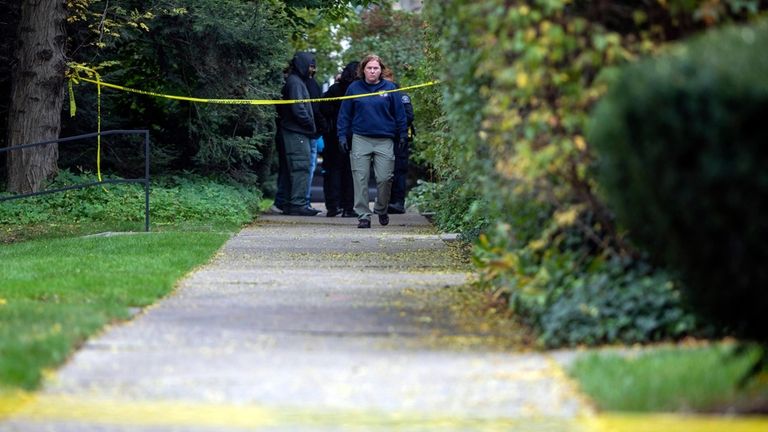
x=672, y=379
x=57, y=292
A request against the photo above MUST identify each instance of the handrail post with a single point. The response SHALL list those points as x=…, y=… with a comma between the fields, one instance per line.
x=146, y=181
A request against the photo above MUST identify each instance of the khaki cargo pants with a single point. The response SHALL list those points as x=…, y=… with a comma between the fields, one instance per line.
x=381, y=152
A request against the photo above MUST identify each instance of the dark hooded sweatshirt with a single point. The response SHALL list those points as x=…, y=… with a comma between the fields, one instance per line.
x=321, y=125
x=298, y=117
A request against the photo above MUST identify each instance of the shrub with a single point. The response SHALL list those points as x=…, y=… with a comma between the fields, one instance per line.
x=518, y=80
x=683, y=156
x=569, y=300
x=454, y=206
x=173, y=199
x=615, y=304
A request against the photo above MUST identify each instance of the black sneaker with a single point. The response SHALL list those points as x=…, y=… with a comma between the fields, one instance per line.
x=364, y=223
x=299, y=211
x=349, y=214
x=384, y=219
x=333, y=213
x=396, y=208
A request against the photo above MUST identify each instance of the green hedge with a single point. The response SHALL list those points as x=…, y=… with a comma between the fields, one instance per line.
x=683, y=145
x=519, y=80
x=173, y=200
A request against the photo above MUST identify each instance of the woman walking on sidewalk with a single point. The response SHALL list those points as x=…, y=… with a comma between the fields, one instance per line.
x=374, y=122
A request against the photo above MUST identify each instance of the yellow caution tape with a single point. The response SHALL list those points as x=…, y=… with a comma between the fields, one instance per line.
x=75, y=78
x=249, y=101
x=73, y=108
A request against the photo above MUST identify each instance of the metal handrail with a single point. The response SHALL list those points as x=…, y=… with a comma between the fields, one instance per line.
x=144, y=180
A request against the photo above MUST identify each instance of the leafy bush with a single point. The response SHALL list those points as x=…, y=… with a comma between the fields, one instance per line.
x=570, y=302
x=453, y=206
x=614, y=304
x=518, y=81
x=172, y=200
x=682, y=141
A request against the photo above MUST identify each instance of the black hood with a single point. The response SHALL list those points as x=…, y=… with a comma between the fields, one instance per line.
x=349, y=73
x=300, y=64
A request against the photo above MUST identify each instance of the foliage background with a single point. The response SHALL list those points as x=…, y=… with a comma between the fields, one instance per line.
x=519, y=80
x=201, y=48
x=500, y=147
x=7, y=38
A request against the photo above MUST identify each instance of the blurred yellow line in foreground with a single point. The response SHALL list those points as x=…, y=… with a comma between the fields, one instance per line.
x=679, y=423
x=47, y=409
x=188, y=414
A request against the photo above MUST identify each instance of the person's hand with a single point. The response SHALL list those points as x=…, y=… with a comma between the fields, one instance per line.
x=402, y=143
x=343, y=146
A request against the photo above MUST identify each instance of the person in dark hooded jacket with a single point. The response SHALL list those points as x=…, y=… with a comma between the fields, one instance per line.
x=297, y=124
x=337, y=180
x=321, y=125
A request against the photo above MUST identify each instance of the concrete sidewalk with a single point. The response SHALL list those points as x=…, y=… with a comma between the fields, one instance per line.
x=305, y=323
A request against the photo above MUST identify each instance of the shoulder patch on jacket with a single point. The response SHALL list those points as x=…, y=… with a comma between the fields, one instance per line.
x=406, y=99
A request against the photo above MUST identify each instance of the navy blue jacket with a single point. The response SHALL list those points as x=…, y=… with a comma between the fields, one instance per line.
x=377, y=116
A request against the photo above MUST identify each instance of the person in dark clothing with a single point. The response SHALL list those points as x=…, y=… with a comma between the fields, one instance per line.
x=402, y=153
x=375, y=121
x=321, y=125
x=297, y=125
x=337, y=180
x=283, y=193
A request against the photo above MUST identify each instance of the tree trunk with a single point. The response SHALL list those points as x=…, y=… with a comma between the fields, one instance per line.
x=37, y=94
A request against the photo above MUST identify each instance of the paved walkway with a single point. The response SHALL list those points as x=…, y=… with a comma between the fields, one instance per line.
x=306, y=324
